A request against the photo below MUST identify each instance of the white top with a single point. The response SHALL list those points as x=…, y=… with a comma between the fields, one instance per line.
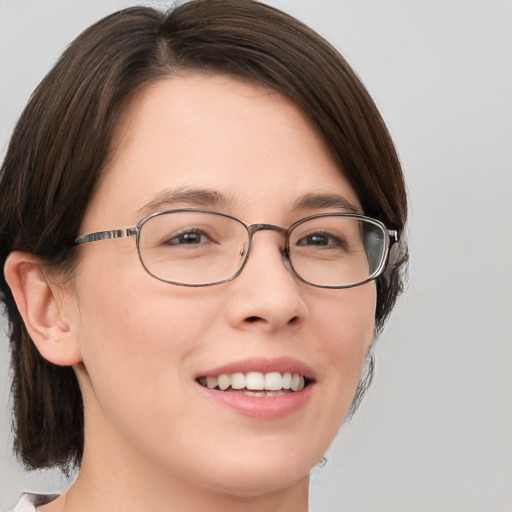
x=28, y=501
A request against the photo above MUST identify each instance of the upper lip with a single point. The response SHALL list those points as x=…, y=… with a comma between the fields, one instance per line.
x=264, y=365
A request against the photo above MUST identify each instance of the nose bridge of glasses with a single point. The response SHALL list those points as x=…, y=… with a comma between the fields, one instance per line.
x=254, y=228
x=266, y=227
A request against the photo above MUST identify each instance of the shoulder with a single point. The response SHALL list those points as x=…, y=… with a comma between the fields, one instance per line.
x=28, y=502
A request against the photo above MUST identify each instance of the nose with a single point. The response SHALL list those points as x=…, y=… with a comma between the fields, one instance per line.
x=266, y=295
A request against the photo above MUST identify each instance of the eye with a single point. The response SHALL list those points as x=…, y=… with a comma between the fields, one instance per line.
x=321, y=239
x=188, y=237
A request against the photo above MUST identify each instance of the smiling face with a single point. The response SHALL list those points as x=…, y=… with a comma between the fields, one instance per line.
x=155, y=354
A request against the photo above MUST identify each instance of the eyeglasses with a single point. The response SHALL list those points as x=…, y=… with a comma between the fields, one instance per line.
x=195, y=247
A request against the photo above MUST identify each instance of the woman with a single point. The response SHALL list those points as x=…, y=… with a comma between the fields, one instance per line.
x=197, y=212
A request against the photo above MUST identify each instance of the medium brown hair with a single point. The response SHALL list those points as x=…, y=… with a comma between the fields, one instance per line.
x=61, y=143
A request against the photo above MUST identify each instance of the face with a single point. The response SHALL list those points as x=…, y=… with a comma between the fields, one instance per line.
x=219, y=144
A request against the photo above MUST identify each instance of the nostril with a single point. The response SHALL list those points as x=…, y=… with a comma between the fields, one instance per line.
x=254, y=319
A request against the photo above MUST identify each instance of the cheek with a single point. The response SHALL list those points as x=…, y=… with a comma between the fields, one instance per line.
x=138, y=341
x=349, y=319
x=140, y=330
x=136, y=333
x=348, y=331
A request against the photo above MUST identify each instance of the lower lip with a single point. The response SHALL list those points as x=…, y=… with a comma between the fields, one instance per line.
x=265, y=408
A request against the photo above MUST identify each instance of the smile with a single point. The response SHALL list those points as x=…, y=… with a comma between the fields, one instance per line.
x=260, y=388
x=256, y=384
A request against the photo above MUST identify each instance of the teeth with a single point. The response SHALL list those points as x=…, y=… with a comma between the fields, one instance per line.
x=224, y=382
x=297, y=382
x=246, y=392
x=255, y=380
x=238, y=381
x=273, y=381
x=256, y=383
x=211, y=382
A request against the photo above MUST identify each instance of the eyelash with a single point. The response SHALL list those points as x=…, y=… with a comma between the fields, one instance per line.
x=184, y=233
x=338, y=242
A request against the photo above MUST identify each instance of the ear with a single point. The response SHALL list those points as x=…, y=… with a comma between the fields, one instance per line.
x=41, y=305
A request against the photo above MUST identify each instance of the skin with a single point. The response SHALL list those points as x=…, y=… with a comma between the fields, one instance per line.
x=154, y=441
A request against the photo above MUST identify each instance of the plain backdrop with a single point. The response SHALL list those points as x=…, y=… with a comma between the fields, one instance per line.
x=435, y=432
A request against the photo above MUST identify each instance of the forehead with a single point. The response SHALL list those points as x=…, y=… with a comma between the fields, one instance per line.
x=246, y=142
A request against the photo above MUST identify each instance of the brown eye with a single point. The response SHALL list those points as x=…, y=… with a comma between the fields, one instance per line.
x=321, y=239
x=195, y=237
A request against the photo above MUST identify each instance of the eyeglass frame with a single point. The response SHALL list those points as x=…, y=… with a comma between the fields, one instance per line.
x=392, y=237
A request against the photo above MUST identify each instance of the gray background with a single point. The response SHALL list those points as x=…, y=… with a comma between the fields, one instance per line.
x=434, y=434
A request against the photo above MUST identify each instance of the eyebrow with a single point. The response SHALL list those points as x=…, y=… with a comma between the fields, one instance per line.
x=322, y=201
x=214, y=199
x=189, y=196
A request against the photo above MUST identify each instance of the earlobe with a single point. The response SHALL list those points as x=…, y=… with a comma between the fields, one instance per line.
x=42, y=309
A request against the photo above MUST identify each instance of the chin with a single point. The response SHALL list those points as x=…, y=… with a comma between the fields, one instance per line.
x=253, y=484
x=264, y=474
